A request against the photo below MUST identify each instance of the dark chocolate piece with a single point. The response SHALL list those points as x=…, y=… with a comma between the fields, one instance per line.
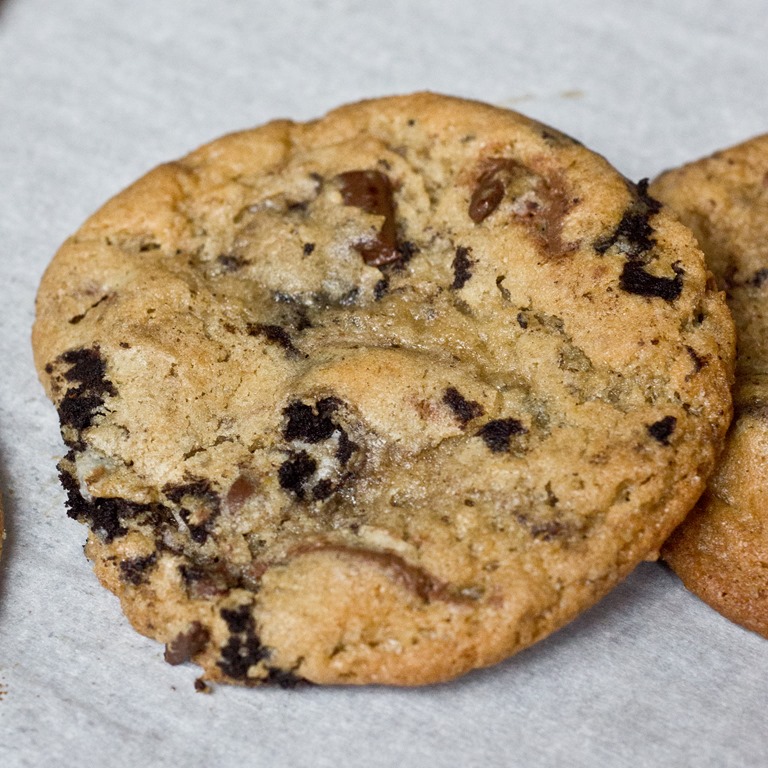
x=308, y=424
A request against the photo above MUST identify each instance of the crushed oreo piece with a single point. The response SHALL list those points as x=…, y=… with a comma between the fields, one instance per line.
x=634, y=279
x=662, y=430
x=462, y=268
x=496, y=434
x=464, y=410
x=134, y=570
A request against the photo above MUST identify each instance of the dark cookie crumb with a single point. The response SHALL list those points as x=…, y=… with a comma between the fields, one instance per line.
x=308, y=248
x=662, y=430
x=202, y=687
x=496, y=434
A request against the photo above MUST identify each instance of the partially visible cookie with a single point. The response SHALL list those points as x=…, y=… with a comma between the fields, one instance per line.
x=383, y=397
x=721, y=550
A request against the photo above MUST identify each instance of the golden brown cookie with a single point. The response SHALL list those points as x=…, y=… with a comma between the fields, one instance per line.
x=721, y=551
x=382, y=397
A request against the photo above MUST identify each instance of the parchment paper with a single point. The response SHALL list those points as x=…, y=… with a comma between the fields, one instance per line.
x=95, y=92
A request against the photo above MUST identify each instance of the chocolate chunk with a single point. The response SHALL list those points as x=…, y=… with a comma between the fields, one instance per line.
x=187, y=644
x=133, y=571
x=634, y=279
x=461, y=266
x=496, y=434
x=522, y=320
x=308, y=248
x=634, y=234
x=372, y=192
x=464, y=410
x=294, y=473
x=662, y=430
x=275, y=334
x=323, y=489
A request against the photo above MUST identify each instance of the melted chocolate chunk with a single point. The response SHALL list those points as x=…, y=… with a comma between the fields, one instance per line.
x=295, y=472
x=496, y=434
x=634, y=234
x=662, y=430
x=187, y=644
x=275, y=334
x=461, y=266
x=88, y=389
x=634, y=279
x=372, y=192
x=486, y=198
x=133, y=571
x=464, y=410
x=490, y=188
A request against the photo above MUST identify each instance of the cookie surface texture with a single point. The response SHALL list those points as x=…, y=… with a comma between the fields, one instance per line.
x=721, y=551
x=383, y=397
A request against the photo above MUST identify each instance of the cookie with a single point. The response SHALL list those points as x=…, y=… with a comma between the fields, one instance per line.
x=383, y=397
x=721, y=551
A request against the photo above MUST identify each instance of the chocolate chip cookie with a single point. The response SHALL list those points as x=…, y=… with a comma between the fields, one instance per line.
x=721, y=551
x=383, y=397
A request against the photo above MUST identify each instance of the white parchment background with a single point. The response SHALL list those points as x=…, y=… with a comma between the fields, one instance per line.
x=95, y=92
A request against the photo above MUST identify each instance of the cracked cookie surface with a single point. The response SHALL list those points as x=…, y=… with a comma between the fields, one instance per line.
x=379, y=398
x=721, y=550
